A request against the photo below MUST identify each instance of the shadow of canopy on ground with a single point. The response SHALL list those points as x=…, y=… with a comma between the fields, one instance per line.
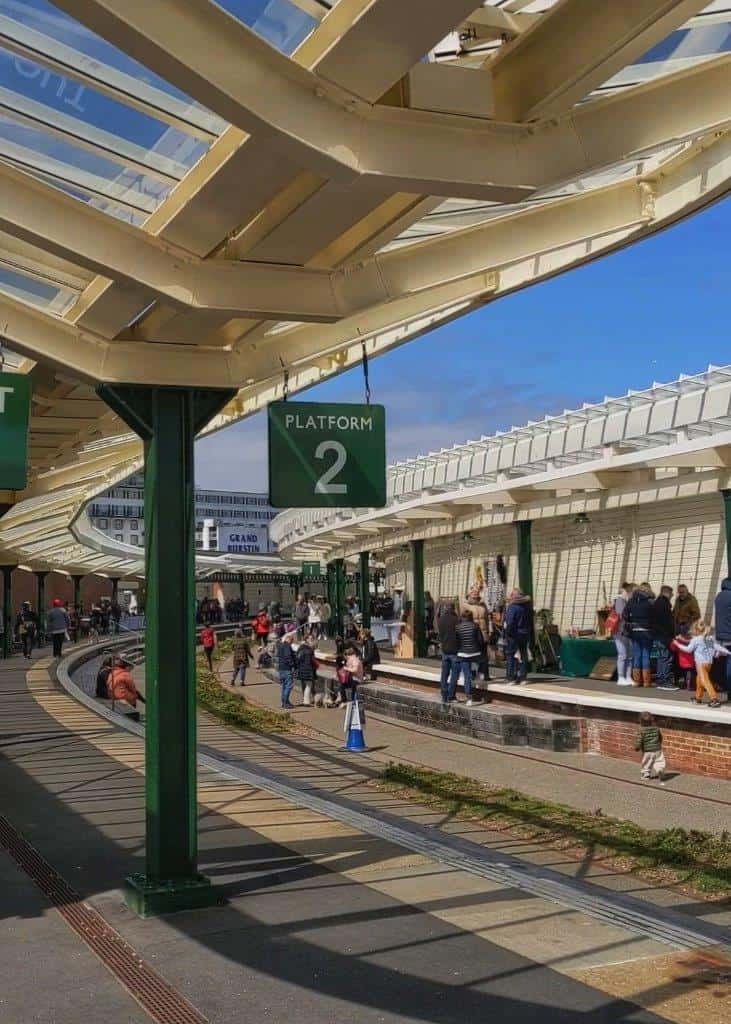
x=373, y=957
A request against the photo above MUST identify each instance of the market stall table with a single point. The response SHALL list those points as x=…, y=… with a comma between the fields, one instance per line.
x=579, y=655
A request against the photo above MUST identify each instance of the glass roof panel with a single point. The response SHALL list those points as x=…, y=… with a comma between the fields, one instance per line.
x=77, y=110
x=282, y=23
x=45, y=18
x=35, y=292
x=36, y=150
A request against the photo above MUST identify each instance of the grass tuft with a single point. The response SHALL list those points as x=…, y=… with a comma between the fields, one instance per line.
x=234, y=710
x=700, y=860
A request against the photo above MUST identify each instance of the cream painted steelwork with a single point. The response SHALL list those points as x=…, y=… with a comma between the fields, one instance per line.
x=275, y=195
x=669, y=442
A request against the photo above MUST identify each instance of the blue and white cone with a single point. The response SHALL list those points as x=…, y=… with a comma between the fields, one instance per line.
x=353, y=728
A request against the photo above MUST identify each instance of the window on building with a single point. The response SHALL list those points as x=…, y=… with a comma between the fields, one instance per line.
x=134, y=539
x=103, y=524
x=118, y=536
x=133, y=525
x=118, y=525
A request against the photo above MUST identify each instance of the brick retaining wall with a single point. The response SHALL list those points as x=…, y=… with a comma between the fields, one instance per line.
x=702, y=748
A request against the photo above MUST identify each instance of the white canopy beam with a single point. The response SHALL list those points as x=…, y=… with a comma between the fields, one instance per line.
x=576, y=47
x=337, y=135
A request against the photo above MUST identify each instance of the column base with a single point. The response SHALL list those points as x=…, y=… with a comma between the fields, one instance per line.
x=150, y=898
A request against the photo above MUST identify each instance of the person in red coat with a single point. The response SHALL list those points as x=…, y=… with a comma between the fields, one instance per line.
x=684, y=662
x=208, y=639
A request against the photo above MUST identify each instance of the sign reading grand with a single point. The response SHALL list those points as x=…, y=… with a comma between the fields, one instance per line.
x=14, y=411
x=324, y=455
x=242, y=540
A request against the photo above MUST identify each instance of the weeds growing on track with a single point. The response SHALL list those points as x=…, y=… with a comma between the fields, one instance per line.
x=234, y=710
x=699, y=860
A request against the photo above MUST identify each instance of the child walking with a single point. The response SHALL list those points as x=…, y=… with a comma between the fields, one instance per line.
x=649, y=743
x=704, y=648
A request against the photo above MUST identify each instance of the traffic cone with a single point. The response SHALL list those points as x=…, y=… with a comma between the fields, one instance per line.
x=353, y=728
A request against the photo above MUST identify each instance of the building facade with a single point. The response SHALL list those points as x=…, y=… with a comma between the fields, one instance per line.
x=119, y=513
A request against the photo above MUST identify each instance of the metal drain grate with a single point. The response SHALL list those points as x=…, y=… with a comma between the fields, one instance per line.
x=156, y=997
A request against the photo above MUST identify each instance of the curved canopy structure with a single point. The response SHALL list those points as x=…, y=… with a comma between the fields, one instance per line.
x=211, y=194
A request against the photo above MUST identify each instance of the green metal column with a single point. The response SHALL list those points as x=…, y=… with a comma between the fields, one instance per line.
x=726, y=495
x=242, y=592
x=419, y=608
x=76, y=579
x=525, y=555
x=41, y=604
x=7, y=610
x=168, y=419
x=114, y=580
x=336, y=594
x=365, y=588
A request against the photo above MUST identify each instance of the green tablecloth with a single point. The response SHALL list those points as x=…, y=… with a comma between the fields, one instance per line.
x=580, y=655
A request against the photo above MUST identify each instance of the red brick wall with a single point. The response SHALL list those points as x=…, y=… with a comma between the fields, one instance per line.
x=701, y=748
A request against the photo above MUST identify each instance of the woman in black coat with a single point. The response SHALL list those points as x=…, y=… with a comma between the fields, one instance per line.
x=306, y=670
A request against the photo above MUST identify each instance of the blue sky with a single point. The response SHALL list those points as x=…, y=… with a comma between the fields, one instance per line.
x=648, y=313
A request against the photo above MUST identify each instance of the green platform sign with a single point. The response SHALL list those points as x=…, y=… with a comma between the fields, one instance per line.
x=325, y=455
x=14, y=412
x=311, y=569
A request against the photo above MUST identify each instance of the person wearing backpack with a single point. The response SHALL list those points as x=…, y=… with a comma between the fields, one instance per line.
x=619, y=632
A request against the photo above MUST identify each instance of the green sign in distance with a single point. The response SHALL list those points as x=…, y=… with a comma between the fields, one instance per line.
x=311, y=569
x=327, y=455
x=14, y=411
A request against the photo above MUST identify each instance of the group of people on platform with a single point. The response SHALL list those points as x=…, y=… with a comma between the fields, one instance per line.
x=465, y=638
x=644, y=625
x=355, y=660
x=64, y=622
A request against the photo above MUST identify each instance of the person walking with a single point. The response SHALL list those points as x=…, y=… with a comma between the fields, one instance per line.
x=638, y=616
x=306, y=670
x=325, y=618
x=286, y=665
x=57, y=624
x=649, y=743
x=208, y=640
x=722, y=609
x=26, y=628
x=663, y=632
x=686, y=609
x=516, y=632
x=261, y=625
x=241, y=656
x=704, y=648
x=354, y=675
x=301, y=614
x=470, y=647
x=620, y=635
x=447, y=630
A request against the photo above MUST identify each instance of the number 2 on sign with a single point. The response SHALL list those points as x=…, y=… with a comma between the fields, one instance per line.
x=324, y=484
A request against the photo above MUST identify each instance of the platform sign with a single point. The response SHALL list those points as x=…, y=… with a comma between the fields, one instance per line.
x=327, y=455
x=311, y=569
x=15, y=392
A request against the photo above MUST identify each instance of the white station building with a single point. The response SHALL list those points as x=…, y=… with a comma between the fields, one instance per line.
x=634, y=488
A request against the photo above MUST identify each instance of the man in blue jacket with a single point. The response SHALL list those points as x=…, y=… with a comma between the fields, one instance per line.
x=517, y=624
x=722, y=609
x=286, y=664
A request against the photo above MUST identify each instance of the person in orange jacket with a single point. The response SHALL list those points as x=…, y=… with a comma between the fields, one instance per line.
x=121, y=685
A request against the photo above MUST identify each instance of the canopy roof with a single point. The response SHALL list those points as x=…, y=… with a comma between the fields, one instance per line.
x=211, y=193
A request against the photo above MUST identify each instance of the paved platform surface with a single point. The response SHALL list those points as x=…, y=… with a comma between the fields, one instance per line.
x=323, y=923
x=554, y=681
x=585, y=781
